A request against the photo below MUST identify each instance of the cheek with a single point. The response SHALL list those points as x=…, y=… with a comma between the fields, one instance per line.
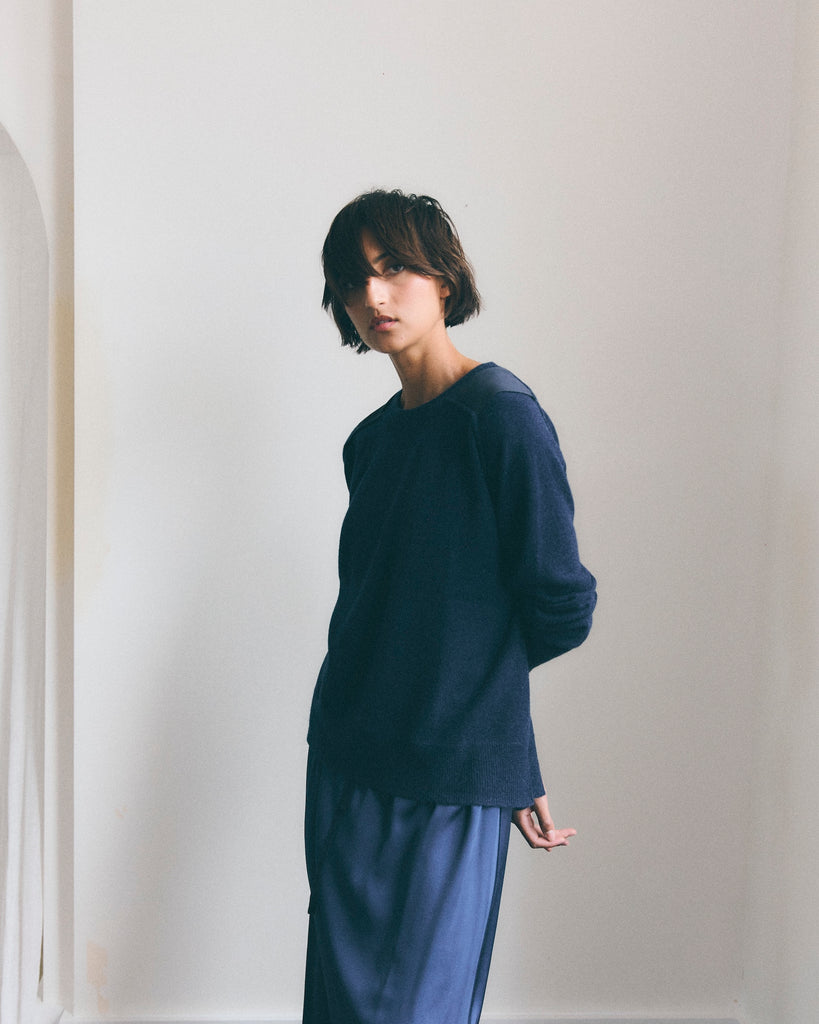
x=428, y=294
x=353, y=312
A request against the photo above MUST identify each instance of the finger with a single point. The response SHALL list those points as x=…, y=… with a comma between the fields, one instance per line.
x=559, y=836
x=541, y=808
x=529, y=829
x=531, y=826
x=566, y=832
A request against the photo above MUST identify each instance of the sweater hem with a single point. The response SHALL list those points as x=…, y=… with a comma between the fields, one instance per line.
x=455, y=777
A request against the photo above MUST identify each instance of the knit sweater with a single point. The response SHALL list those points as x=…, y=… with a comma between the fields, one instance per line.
x=458, y=573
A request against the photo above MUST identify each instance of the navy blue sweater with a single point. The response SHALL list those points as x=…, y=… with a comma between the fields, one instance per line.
x=459, y=572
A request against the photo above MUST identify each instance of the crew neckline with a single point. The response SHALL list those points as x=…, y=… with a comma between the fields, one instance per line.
x=395, y=401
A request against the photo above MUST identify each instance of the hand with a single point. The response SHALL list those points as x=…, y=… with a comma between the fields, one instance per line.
x=537, y=828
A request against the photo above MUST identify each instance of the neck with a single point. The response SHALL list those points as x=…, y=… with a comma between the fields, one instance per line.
x=424, y=377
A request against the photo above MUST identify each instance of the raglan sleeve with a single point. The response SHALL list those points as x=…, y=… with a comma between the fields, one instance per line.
x=554, y=594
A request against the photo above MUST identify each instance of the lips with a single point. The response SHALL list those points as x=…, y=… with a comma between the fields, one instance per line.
x=380, y=323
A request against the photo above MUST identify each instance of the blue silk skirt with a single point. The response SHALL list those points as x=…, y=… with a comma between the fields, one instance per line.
x=404, y=900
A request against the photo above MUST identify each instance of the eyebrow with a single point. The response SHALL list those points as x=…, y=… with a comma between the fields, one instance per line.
x=379, y=259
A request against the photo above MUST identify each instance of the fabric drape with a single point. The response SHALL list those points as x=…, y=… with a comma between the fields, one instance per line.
x=23, y=455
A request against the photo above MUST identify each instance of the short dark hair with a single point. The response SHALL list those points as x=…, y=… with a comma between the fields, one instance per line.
x=417, y=232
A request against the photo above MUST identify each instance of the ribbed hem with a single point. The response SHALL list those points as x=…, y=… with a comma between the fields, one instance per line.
x=490, y=775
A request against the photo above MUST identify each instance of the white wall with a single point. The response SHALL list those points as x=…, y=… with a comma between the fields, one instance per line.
x=618, y=174
x=784, y=889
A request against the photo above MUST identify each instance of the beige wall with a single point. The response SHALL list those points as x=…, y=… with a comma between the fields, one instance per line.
x=618, y=173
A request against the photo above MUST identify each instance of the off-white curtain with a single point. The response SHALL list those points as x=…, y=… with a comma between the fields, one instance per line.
x=23, y=439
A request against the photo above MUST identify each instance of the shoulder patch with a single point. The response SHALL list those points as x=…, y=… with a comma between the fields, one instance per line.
x=475, y=391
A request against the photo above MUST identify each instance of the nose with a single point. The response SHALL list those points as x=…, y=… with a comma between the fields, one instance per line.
x=374, y=292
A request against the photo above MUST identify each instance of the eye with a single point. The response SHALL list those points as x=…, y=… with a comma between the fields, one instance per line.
x=393, y=268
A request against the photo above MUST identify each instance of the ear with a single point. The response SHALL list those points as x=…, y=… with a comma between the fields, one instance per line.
x=445, y=290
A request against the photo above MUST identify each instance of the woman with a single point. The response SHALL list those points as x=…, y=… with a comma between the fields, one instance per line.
x=459, y=572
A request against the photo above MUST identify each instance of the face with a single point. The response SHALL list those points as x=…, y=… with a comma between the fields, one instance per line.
x=396, y=310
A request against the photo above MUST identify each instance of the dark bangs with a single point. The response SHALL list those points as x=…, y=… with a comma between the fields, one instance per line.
x=416, y=232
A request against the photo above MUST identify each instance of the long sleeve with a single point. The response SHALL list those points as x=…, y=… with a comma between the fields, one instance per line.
x=554, y=593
